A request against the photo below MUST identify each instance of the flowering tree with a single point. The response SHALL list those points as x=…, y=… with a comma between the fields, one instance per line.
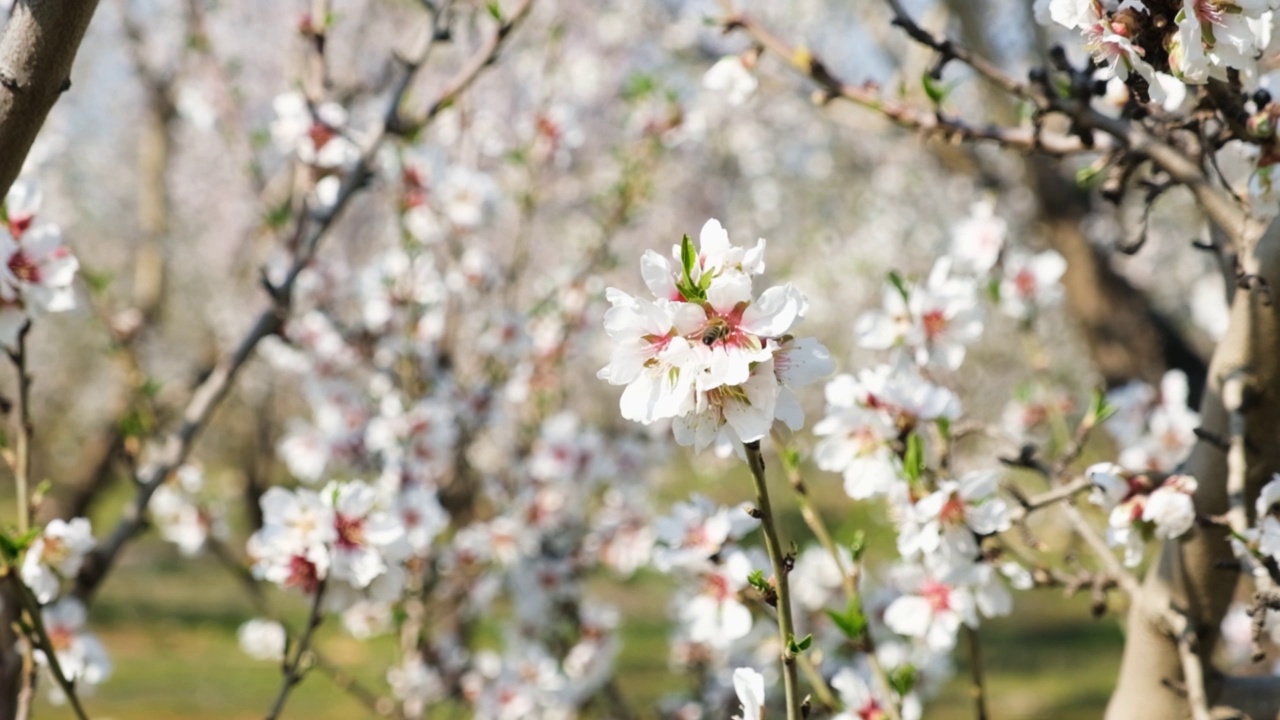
x=429, y=200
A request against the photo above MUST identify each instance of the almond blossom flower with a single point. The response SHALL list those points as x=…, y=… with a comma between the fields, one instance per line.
x=867, y=415
x=932, y=611
x=977, y=240
x=714, y=615
x=932, y=322
x=732, y=78
x=292, y=548
x=944, y=525
x=695, y=530
x=1139, y=509
x=1216, y=35
x=316, y=134
x=415, y=684
x=706, y=352
x=860, y=701
x=1170, y=432
x=262, y=639
x=749, y=686
x=56, y=553
x=365, y=538
x=1030, y=283
x=83, y=659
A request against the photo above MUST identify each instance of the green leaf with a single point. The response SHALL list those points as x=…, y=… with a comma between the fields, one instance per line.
x=902, y=679
x=495, y=10
x=899, y=284
x=688, y=256
x=944, y=427
x=858, y=545
x=756, y=580
x=937, y=91
x=852, y=622
x=790, y=458
x=913, y=458
x=1099, y=408
x=9, y=547
x=798, y=647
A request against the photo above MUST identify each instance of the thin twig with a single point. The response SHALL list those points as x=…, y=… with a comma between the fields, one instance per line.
x=22, y=444
x=978, y=689
x=819, y=527
x=290, y=668
x=40, y=634
x=781, y=566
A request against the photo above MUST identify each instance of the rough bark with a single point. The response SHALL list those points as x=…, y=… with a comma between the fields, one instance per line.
x=1191, y=574
x=36, y=52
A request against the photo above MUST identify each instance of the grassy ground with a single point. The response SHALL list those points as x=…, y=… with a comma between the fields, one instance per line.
x=170, y=627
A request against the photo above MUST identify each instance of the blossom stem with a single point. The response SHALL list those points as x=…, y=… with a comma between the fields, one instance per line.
x=848, y=578
x=290, y=668
x=37, y=632
x=781, y=565
x=977, y=674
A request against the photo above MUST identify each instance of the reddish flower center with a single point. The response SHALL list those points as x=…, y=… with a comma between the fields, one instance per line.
x=302, y=574
x=23, y=268
x=938, y=595
x=350, y=532
x=952, y=511
x=18, y=224
x=320, y=134
x=871, y=711
x=935, y=323
x=1025, y=283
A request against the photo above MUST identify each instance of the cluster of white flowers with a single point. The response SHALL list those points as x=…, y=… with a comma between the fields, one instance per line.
x=1155, y=430
x=346, y=537
x=705, y=352
x=56, y=554
x=1169, y=42
x=81, y=656
x=37, y=269
x=1139, y=507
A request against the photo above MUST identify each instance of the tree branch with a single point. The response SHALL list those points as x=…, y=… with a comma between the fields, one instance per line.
x=36, y=52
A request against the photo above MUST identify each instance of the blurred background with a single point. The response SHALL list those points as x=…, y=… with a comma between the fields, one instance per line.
x=596, y=138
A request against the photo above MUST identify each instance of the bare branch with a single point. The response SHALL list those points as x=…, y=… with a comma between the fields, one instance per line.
x=36, y=52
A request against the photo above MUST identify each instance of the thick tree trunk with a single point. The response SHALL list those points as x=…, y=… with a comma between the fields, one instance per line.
x=1191, y=574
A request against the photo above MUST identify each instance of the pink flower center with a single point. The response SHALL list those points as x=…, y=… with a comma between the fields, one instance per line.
x=938, y=595
x=952, y=512
x=60, y=636
x=871, y=711
x=1025, y=283
x=935, y=324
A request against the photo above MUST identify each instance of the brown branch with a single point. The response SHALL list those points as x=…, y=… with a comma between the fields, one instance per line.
x=931, y=123
x=36, y=53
